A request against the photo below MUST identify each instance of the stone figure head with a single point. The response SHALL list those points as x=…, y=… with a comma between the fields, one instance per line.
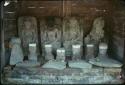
x=98, y=23
x=58, y=21
x=73, y=22
x=15, y=41
x=27, y=24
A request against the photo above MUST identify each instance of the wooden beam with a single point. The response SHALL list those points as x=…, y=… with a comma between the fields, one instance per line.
x=2, y=37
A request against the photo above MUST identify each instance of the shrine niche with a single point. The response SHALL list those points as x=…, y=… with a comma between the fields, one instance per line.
x=50, y=30
x=97, y=33
x=27, y=29
x=72, y=34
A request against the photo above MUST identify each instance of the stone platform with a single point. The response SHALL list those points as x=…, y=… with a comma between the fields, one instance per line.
x=39, y=75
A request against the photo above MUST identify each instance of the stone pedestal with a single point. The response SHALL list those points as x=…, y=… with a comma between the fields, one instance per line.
x=60, y=54
x=89, y=53
x=105, y=62
x=48, y=52
x=76, y=51
x=60, y=65
x=79, y=64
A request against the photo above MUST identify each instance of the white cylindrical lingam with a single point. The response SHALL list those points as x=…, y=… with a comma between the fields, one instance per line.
x=89, y=52
x=103, y=48
x=60, y=54
x=76, y=51
x=48, y=52
x=32, y=52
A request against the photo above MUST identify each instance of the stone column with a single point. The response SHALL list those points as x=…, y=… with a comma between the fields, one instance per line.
x=48, y=52
x=60, y=54
x=32, y=52
x=89, y=53
x=76, y=51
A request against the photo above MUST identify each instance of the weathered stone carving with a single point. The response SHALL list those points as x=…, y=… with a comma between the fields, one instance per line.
x=72, y=34
x=97, y=32
x=52, y=34
x=27, y=28
x=32, y=52
x=60, y=54
x=16, y=51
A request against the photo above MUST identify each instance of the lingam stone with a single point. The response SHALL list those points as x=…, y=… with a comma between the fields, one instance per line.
x=27, y=28
x=72, y=34
x=103, y=50
x=97, y=33
x=76, y=51
x=16, y=51
x=60, y=54
x=48, y=52
x=32, y=52
x=89, y=52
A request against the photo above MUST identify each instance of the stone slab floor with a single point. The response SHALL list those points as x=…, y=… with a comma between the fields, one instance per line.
x=39, y=75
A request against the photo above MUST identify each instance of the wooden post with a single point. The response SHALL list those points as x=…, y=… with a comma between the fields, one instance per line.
x=2, y=37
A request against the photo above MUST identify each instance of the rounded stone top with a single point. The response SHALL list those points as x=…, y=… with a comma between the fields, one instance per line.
x=48, y=45
x=61, y=50
x=103, y=46
x=76, y=46
x=90, y=45
x=32, y=45
x=15, y=40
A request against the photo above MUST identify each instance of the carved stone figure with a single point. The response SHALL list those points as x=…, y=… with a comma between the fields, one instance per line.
x=16, y=51
x=72, y=34
x=52, y=34
x=97, y=32
x=27, y=32
x=32, y=52
x=48, y=52
x=60, y=54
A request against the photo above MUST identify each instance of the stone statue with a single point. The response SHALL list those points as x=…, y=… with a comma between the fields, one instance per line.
x=97, y=32
x=72, y=34
x=52, y=34
x=16, y=51
x=32, y=52
x=27, y=32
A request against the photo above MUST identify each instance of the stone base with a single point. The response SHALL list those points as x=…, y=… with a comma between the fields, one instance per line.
x=38, y=75
x=79, y=64
x=28, y=63
x=105, y=62
x=54, y=64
